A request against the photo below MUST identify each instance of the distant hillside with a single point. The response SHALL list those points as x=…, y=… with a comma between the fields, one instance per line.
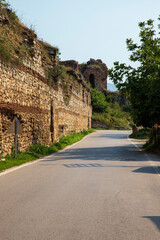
x=111, y=87
x=108, y=114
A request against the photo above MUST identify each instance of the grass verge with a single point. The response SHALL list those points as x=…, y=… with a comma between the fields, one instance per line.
x=36, y=151
x=152, y=145
x=141, y=134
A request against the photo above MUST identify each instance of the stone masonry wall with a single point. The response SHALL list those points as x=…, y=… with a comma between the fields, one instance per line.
x=41, y=109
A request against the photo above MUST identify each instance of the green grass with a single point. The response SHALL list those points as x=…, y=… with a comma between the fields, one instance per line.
x=151, y=145
x=141, y=134
x=36, y=151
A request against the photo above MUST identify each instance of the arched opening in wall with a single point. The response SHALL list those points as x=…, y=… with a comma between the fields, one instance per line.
x=92, y=80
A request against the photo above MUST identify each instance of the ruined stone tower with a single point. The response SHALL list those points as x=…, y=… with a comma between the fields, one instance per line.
x=95, y=72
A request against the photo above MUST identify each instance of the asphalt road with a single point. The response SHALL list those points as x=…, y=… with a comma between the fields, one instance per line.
x=102, y=188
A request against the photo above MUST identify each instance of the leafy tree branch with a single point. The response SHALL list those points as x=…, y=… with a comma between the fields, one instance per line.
x=142, y=84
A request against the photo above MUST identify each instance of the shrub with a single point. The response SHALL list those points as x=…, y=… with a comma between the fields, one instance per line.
x=39, y=149
x=110, y=98
x=98, y=100
x=142, y=133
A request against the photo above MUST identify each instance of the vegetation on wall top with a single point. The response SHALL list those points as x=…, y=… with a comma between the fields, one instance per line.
x=96, y=64
x=17, y=41
x=4, y=4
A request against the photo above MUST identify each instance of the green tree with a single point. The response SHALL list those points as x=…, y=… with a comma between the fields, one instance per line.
x=142, y=84
x=98, y=100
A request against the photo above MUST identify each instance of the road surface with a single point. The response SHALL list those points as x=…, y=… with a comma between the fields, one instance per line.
x=102, y=188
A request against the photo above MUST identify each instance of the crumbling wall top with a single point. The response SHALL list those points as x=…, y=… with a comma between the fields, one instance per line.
x=70, y=63
x=95, y=72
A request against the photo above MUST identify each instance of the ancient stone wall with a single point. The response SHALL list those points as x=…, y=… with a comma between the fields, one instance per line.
x=42, y=110
x=49, y=98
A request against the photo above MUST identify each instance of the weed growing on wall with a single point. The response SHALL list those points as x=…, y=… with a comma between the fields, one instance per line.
x=4, y=52
x=16, y=41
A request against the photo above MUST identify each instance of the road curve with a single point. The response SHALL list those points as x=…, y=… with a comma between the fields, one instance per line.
x=102, y=188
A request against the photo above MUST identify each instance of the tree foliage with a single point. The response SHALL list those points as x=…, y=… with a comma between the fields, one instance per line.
x=142, y=84
x=99, y=103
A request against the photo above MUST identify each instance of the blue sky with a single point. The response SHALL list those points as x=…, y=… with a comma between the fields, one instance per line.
x=84, y=29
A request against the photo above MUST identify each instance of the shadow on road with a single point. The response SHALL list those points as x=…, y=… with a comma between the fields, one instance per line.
x=155, y=220
x=148, y=169
x=112, y=136
x=120, y=153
